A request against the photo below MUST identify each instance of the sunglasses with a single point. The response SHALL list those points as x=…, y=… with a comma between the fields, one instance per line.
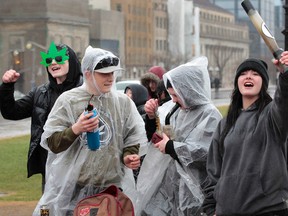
x=106, y=62
x=58, y=59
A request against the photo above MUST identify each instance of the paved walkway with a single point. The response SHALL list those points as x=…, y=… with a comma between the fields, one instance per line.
x=14, y=128
x=17, y=208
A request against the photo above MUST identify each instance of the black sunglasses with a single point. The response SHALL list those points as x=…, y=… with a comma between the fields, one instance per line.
x=106, y=62
x=58, y=59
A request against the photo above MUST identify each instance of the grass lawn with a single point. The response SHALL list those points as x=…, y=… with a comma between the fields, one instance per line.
x=223, y=110
x=13, y=171
x=13, y=175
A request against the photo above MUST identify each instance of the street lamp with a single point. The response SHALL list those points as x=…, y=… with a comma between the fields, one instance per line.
x=285, y=31
x=31, y=46
x=15, y=58
x=134, y=72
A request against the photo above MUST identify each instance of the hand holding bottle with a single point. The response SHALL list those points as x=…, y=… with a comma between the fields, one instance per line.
x=85, y=123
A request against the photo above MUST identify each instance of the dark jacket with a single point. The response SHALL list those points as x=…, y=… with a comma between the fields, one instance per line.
x=139, y=96
x=37, y=105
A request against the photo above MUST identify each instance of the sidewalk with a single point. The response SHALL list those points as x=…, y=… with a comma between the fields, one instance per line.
x=10, y=128
x=17, y=208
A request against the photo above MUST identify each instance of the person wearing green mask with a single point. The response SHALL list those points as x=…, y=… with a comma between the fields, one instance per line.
x=64, y=73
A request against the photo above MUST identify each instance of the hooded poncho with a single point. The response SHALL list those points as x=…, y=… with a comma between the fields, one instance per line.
x=165, y=186
x=76, y=172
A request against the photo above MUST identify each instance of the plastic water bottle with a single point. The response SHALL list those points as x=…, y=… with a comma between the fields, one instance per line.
x=93, y=138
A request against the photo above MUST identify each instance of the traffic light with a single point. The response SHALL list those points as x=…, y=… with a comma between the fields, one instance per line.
x=16, y=57
x=17, y=60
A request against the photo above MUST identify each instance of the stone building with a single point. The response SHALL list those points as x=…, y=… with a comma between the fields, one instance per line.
x=138, y=35
x=21, y=22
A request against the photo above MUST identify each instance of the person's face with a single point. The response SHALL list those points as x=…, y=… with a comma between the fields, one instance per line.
x=104, y=81
x=153, y=86
x=59, y=71
x=129, y=93
x=175, y=97
x=249, y=84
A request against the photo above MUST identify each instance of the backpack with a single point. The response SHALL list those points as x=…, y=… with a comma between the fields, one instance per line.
x=110, y=201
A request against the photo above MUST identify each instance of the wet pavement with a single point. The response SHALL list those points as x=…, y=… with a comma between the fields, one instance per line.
x=10, y=128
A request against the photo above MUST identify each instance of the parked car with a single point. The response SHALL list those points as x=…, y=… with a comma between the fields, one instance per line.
x=121, y=85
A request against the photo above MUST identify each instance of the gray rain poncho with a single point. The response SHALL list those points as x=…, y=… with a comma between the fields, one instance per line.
x=165, y=186
x=79, y=172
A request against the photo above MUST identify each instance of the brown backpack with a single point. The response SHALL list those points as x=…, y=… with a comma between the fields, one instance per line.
x=112, y=201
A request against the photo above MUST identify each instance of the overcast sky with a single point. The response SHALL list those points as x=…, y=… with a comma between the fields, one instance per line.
x=277, y=2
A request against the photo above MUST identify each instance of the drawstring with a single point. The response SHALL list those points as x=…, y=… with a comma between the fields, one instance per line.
x=97, y=88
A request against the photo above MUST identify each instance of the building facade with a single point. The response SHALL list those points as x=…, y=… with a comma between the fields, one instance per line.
x=29, y=22
x=160, y=33
x=138, y=35
x=107, y=30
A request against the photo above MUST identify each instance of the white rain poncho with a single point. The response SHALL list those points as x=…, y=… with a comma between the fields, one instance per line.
x=79, y=172
x=165, y=186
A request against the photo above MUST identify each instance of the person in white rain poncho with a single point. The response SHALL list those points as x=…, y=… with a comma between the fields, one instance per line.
x=173, y=170
x=73, y=170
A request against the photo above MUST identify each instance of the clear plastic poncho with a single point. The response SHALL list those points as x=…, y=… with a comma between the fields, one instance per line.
x=79, y=172
x=165, y=186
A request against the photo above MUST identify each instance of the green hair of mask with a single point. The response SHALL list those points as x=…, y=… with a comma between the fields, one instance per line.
x=53, y=53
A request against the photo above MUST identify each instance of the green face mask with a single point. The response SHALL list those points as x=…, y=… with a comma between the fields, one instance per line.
x=59, y=56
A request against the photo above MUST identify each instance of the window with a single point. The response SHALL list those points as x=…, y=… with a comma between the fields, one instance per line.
x=119, y=7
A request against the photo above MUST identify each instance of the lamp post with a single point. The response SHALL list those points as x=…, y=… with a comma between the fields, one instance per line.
x=31, y=46
x=134, y=72
x=285, y=31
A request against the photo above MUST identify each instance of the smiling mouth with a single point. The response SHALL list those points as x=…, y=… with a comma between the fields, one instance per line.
x=108, y=84
x=55, y=68
x=248, y=84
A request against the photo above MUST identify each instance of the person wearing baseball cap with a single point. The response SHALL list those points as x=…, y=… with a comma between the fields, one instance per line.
x=78, y=171
x=247, y=158
x=101, y=65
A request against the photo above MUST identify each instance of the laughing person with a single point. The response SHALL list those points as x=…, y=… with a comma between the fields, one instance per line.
x=247, y=159
x=64, y=73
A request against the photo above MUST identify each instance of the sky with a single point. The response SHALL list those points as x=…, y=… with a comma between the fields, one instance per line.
x=278, y=2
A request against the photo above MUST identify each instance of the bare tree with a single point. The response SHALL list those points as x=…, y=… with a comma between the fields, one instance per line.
x=222, y=55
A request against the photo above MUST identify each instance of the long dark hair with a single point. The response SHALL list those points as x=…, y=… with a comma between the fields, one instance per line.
x=235, y=110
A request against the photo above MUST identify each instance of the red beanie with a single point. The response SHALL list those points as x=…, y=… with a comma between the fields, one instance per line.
x=158, y=71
